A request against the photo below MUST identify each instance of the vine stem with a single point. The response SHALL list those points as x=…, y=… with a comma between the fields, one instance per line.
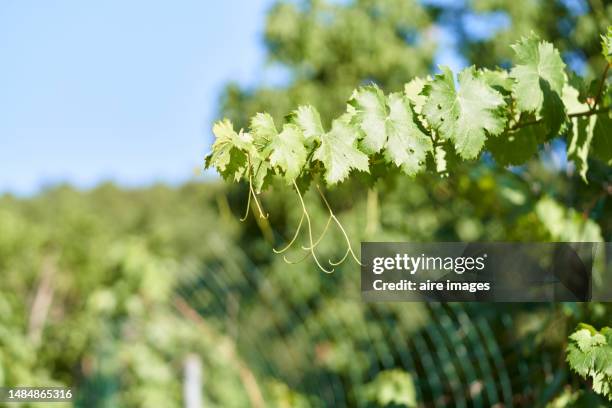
x=309, y=249
x=346, y=254
x=252, y=193
x=308, y=158
x=314, y=255
x=589, y=113
x=297, y=231
x=290, y=262
x=348, y=241
x=248, y=207
x=320, y=236
x=571, y=115
x=315, y=243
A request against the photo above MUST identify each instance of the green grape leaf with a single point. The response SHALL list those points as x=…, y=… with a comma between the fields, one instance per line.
x=463, y=115
x=309, y=120
x=498, y=79
x=580, y=132
x=263, y=131
x=413, y=91
x=585, y=340
x=228, y=154
x=580, y=86
x=540, y=77
x=553, y=113
x=391, y=387
x=370, y=111
x=589, y=353
x=515, y=147
x=579, y=143
x=579, y=362
x=407, y=146
x=441, y=161
x=601, y=384
x=606, y=45
x=261, y=173
x=540, y=66
x=572, y=98
x=288, y=152
x=338, y=152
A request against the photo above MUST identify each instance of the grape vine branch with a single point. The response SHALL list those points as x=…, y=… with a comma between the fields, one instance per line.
x=431, y=125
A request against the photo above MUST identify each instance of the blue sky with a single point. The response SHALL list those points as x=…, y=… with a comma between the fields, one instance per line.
x=117, y=90
x=122, y=90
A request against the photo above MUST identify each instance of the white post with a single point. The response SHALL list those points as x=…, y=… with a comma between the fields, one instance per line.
x=192, y=383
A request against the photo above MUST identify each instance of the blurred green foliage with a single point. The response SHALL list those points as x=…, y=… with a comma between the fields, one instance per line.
x=89, y=291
